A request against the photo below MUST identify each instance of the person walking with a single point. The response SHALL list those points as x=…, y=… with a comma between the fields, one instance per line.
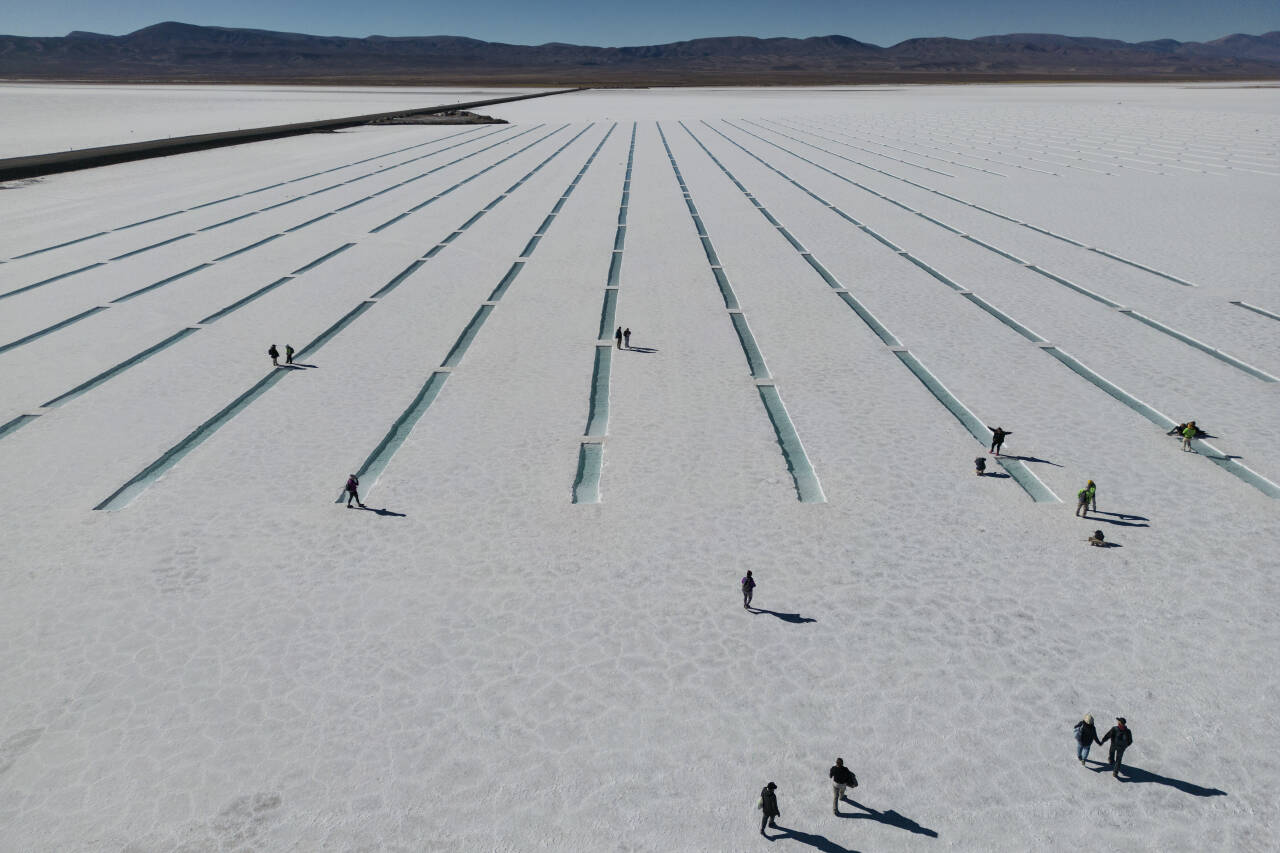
x=841, y=777
x=1188, y=434
x=353, y=493
x=275, y=355
x=1121, y=737
x=1084, y=497
x=617, y=337
x=626, y=338
x=997, y=439
x=768, y=807
x=1086, y=736
x=748, y=586
x=288, y=354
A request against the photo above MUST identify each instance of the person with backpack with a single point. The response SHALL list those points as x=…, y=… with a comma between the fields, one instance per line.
x=288, y=353
x=768, y=807
x=1086, y=736
x=841, y=777
x=353, y=493
x=1121, y=737
x=275, y=356
x=1087, y=495
x=980, y=465
x=748, y=587
x=997, y=439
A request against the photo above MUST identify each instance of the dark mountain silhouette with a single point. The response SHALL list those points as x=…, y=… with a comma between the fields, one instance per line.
x=183, y=52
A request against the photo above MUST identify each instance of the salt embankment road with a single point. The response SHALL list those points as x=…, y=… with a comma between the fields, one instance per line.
x=35, y=165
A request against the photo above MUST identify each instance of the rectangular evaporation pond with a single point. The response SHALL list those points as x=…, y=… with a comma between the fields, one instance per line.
x=530, y=246
x=754, y=359
x=243, y=301
x=16, y=424
x=1083, y=291
x=320, y=260
x=468, y=335
x=301, y=225
x=1125, y=397
x=229, y=221
x=622, y=216
x=598, y=413
x=867, y=317
x=822, y=271
x=152, y=246
x=400, y=277
x=501, y=289
x=619, y=238
x=61, y=324
x=1203, y=347
x=808, y=488
x=377, y=461
x=792, y=240
x=607, y=311
x=90, y=384
x=161, y=283
x=126, y=494
x=50, y=280
x=1003, y=318
x=726, y=290
x=615, y=267
x=931, y=271
x=586, y=484
x=710, y=250
x=1255, y=309
x=247, y=248
x=1039, y=492
x=57, y=246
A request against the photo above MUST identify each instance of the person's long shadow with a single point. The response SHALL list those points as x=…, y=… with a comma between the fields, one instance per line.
x=641, y=349
x=794, y=618
x=1121, y=515
x=1031, y=459
x=1129, y=773
x=383, y=511
x=888, y=818
x=1116, y=521
x=818, y=842
x=995, y=474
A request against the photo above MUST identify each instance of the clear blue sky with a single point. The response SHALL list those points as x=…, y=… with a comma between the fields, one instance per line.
x=612, y=23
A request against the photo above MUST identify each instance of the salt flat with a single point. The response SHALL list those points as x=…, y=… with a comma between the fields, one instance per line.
x=536, y=640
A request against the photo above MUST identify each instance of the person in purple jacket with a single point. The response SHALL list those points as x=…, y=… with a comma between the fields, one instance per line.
x=353, y=494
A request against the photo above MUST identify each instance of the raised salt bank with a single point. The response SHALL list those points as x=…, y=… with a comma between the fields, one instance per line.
x=533, y=635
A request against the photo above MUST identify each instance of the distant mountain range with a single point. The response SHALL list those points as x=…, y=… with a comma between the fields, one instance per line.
x=174, y=52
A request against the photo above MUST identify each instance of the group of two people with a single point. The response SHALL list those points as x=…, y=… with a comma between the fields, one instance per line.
x=275, y=354
x=622, y=335
x=1120, y=736
x=841, y=778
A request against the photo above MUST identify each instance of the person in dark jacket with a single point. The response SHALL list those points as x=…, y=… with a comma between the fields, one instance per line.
x=288, y=353
x=275, y=355
x=1086, y=736
x=1121, y=738
x=997, y=438
x=768, y=806
x=617, y=336
x=980, y=465
x=748, y=587
x=353, y=491
x=841, y=777
x=626, y=338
